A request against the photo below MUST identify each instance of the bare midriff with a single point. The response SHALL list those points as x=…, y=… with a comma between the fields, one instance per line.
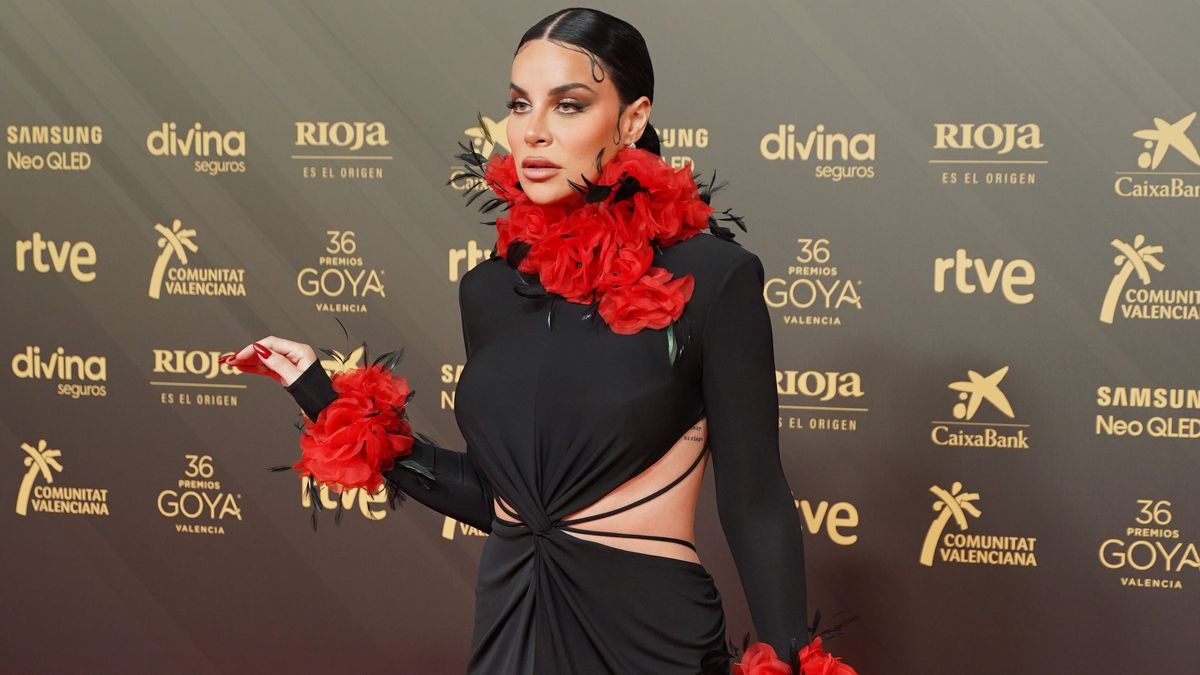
x=671, y=514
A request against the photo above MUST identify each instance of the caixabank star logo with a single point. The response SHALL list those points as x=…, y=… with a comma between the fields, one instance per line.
x=1165, y=141
x=971, y=429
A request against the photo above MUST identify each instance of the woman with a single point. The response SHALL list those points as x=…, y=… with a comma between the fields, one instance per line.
x=592, y=395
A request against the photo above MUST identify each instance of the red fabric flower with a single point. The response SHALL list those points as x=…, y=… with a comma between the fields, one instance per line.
x=360, y=434
x=816, y=661
x=653, y=301
x=760, y=659
x=604, y=249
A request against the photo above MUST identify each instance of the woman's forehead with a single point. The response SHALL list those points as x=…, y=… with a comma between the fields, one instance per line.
x=542, y=65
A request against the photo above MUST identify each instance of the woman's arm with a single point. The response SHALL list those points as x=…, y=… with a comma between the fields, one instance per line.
x=459, y=492
x=754, y=502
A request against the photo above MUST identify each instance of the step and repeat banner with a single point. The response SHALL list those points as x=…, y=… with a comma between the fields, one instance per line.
x=979, y=226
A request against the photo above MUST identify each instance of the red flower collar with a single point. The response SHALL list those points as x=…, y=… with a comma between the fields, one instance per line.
x=597, y=245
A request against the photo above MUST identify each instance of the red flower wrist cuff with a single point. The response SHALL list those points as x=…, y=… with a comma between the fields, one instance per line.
x=361, y=434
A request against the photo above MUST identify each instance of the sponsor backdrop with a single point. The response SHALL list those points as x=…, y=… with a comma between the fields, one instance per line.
x=979, y=225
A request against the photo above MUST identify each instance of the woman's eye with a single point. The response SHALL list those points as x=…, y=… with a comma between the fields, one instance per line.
x=520, y=106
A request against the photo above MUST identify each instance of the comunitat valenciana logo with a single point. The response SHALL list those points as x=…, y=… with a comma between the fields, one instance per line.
x=1166, y=141
x=968, y=430
x=484, y=140
x=815, y=291
x=1131, y=293
x=1157, y=412
x=51, y=147
x=1151, y=551
x=957, y=545
x=173, y=273
x=74, y=376
x=341, y=281
x=45, y=256
x=834, y=155
x=196, y=378
x=196, y=503
x=819, y=400
x=341, y=150
x=39, y=493
x=211, y=149
x=987, y=153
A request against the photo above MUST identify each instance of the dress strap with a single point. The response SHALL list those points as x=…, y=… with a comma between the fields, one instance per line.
x=643, y=500
x=632, y=535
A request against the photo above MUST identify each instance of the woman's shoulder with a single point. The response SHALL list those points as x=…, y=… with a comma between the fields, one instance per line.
x=711, y=260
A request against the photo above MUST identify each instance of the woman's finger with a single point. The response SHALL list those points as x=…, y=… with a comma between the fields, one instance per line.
x=280, y=364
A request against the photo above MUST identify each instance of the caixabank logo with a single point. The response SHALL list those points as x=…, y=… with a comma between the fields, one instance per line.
x=988, y=153
x=979, y=397
x=175, y=275
x=341, y=150
x=1151, y=551
x=951, y=539
x=39, y=492
x=484, y=140
x=1136, y=293
x=196, y=503
x=1167, y=164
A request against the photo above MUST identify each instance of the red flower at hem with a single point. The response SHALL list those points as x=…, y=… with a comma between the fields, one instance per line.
x=360, y=434
x=760, y=659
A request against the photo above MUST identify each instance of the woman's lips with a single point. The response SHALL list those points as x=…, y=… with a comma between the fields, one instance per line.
x=539, y=173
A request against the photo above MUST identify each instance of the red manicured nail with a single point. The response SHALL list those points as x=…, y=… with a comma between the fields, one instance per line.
x=262, y=351
x=226, y=357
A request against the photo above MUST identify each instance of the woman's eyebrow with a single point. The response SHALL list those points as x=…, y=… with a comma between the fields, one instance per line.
x=560, y=89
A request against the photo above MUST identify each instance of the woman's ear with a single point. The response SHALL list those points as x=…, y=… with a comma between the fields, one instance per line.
x=635, y=118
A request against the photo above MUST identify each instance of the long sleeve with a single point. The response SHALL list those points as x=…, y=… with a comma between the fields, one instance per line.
x=459, y=491
x=754, y=502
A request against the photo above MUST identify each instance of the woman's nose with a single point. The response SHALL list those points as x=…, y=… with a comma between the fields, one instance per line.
x=536, y=131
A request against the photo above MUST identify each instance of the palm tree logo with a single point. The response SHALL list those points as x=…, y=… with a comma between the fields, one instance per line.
x=956, y=504
x=40, y=460
x=172, y=242
x=1163, y=137
x=1139, y=257
x=977, y=389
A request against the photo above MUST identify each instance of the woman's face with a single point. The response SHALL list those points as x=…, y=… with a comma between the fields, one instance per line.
x=562, y=118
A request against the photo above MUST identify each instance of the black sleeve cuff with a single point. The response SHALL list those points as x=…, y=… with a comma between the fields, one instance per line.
x=313, y=390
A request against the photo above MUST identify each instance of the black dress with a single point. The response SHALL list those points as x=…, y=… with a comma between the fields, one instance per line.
x=556, y=417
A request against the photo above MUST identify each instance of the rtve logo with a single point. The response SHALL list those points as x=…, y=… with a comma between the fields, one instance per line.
x=461, y=260
x=972, y=274
x=46, y=256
